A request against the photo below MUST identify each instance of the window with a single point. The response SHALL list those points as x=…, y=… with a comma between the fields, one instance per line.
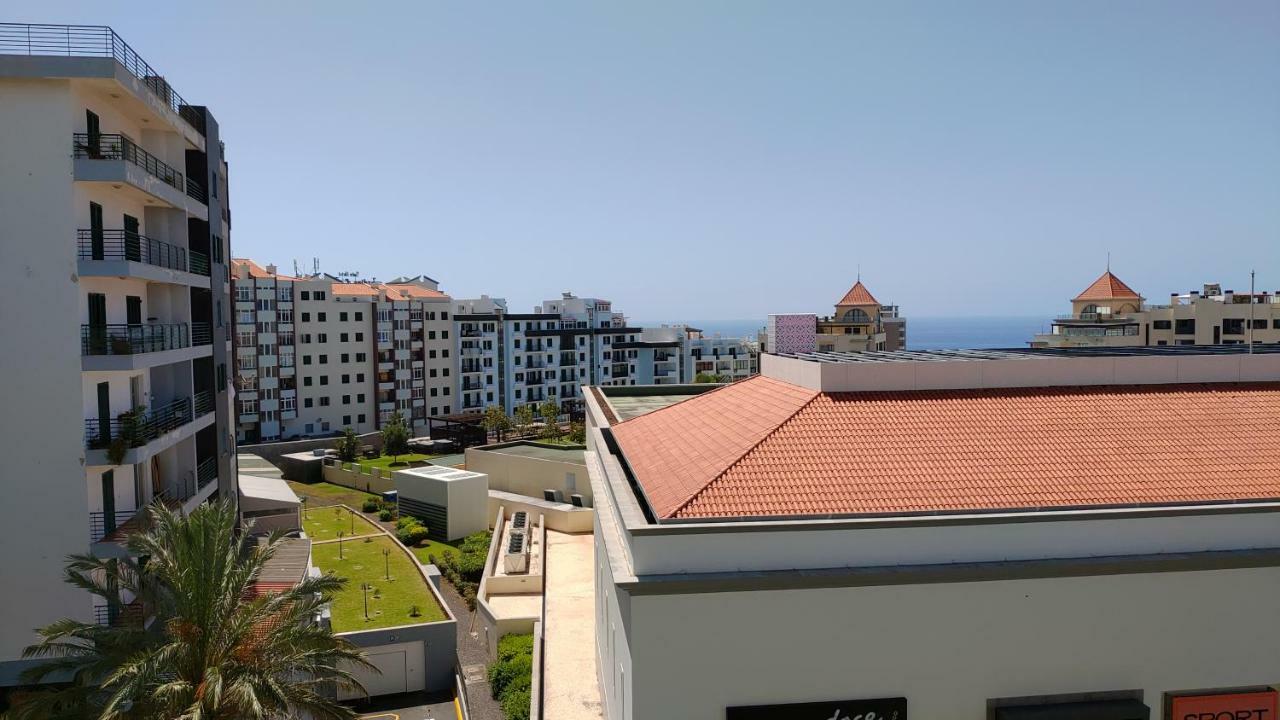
x=444, y=334
x=360, y=399
x=359, y=317
x=360, y=357
x=444, y=316
x=359, y=337
x=360, y=418
x=346, y=419
x=306, y=381
x=306, y=359
x=324, y=359
x=1232, y=326
x=320, y=317
x=517, y=330
x=324, y=379
x=1185, y=327
x=306, y=402
x=346, y=357
x=1162, y=324
x=431, y=334
x=320, y=296
x=343, y=337
x=322, y=337
x=359, y=377
x=346, y=400
x=346, y=379
x=305, y=295
x=1259, y=324
x=306, y=316
x=324, y=402
x=342, y=317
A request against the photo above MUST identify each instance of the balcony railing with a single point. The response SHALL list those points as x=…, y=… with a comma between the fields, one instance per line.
x=470, y=384
x=132, y=339
x=124, y=245
x=136, y=429
x=196, y=191
x=94, y=41
x=206, y=472
x=102, y=524
x=118, y=147
x=130, y=615
x=201, y=334
x=199, y=263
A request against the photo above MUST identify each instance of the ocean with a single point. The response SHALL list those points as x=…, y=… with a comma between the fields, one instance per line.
x=923, y=333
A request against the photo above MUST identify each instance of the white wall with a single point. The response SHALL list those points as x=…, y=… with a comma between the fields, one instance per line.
x=949, y=647
x=40, y=313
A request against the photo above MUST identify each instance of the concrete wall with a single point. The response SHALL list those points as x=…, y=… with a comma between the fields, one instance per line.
x=947, y=648
x=491, y=625
x=556, y=516
x=272, y=451
x=356, y=479
x=40, y=312
x=529, y=475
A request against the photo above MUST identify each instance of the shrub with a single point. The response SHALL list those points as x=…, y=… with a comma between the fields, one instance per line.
x=515, y=704
x=476, y=542
x=510, y=646
x=508, y=672
x=410, y=531
x=468, y=593
x=471, y=565
x=406, y=521
x=371, y=505
x=578, y=432
x=384, y=514
x=348, y=446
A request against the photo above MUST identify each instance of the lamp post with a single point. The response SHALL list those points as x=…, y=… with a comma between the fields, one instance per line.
x=365, y=588
x=340, y=534
x=352, y=513
x=386, y=563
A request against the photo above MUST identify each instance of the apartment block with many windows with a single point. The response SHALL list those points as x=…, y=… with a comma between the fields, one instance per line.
x=316, y=354
x=114, y=214
x=1109, y=313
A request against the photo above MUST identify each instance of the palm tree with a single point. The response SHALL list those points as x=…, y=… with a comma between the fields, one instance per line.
x=202, y=643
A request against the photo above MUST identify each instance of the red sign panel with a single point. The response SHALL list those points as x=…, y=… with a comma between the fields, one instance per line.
x=1236, y=706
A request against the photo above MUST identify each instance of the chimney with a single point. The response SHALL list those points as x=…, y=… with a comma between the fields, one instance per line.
x=271, y=269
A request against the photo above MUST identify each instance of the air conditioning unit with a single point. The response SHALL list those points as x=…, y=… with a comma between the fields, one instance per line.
x=576, y=499
x=516, y=559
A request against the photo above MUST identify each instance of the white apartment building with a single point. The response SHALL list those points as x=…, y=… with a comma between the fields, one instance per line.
x=316, y=354
x=677, y=354
x=114, y=296
x=1109, y=313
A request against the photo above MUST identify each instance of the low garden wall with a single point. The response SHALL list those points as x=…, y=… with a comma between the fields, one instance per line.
x=495, y=627
x=374, y=480
x=272, y=451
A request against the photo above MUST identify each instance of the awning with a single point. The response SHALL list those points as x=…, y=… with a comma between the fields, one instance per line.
x=1094, y=710
x=264, y=493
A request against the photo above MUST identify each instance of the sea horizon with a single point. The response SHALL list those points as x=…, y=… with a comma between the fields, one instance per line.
x=923, y=332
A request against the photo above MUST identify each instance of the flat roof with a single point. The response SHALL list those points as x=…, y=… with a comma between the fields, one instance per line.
x=276, y=490
x=440, y=472
x=897, y=356
x=541, y=452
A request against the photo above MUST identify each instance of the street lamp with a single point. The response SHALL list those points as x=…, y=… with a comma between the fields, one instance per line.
x=365, y=588
x=340, y=534
x=386, y=562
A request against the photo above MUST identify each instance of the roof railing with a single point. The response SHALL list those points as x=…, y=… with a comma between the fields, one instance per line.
x=95, y=41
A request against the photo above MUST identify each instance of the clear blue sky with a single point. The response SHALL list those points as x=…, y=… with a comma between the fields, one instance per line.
x=716, y=160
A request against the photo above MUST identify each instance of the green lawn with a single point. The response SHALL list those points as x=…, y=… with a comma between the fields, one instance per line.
x=323, y=523
x=323, y=493
x=402, y=461
x=434, y=547
x=390, y=601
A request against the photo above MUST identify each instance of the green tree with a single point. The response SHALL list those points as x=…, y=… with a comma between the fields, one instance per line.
x=196, y=639
x=348, y=445
x=578, y=432
x=395, y=437
x=549, y=411
x=709, y=378
x=495, y=421
x=523, y=419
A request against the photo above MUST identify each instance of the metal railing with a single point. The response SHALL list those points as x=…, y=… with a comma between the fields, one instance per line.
x=201, y=333
x=136, y=429
x=206, y=472
x=196, y=191
x=123, y=339
x=94, y=41
x=118, y=147
x=199, y=263
x=125, y=245
x=120, y=616
x=469, y=384
x=102, y=524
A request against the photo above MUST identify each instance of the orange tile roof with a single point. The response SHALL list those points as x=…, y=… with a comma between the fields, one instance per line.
x=858, y=295
x=762, y=447
x=417, y=291
x=1108, y=287
x=361, y=289
x=257, y=271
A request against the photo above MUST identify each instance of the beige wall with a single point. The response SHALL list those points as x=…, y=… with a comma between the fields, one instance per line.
x=357, y=480
x=529, y=476
x=562, y=518
x=949, y=647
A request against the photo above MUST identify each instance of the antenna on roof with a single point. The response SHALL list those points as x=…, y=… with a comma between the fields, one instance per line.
x=859, y=273
x=295, y=268
x=1108, y=261
x=315, y=266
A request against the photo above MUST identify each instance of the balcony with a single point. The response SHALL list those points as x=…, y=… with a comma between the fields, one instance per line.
x=95, y=41
x=469, y=384
x=133, y=339
x=103, y=157
x=129, y=615
x=119, y=253
x=136, y=430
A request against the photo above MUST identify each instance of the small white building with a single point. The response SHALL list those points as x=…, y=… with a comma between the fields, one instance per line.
x=270, y=503
x=452, y=503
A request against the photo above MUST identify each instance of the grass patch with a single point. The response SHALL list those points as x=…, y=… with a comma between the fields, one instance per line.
x=402, y=461
x=390, y=601
x=440, y=550
x=323, y=493
x=323, y=523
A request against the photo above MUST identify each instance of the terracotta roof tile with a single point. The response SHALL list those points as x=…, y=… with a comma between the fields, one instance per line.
x=858, y=295
x=360, y=289
x=762, y=447
x=1108, y=287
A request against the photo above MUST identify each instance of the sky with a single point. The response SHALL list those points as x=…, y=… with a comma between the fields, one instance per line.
x=725, y=160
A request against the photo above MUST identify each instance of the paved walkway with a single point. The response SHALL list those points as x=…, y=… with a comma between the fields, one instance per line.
x=571, y=687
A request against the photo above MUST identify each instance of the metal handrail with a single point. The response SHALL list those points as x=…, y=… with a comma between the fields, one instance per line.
x=201, y=333
x=94, y=41
x=196, y=191
x=199, y=263
x=123, y=615
x=102, y=244
x=100, y=526
x=137, y=429
x=206, y=472
x=102, y=146
x=125, y=339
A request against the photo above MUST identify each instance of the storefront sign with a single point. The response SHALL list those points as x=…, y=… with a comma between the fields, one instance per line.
x=879, y=709
x=1235, y=706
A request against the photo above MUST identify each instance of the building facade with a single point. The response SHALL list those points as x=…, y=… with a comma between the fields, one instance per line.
x=116, y=225
x=939, y=536
x=859, y=324
x=1109, y=313
x=317, y=354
